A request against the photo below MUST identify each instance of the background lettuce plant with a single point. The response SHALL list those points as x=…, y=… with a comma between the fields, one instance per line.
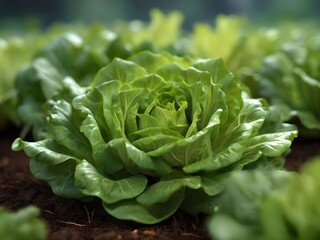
x=162, y=32
x=290, y=80
x=6, y=78
x=57, y=70
x=23, y=224
x=242, y=46
x=270, y=205
x=20, y=54
x=155, y=133
x=221, y=40
x=14, y=53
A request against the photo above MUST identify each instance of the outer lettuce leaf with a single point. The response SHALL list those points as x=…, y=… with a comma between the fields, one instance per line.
x=270, y=205
x=133, y=210
x=155, y=133
x=58, y=170
x=93, y=183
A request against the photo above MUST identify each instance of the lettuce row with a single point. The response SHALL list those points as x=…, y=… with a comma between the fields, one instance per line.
x=155, y=133
x=270, y=205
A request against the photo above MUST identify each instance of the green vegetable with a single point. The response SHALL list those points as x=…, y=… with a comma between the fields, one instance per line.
x=290, y=79
x=154, y=133
x=218, y=41
x=71, y=59
x=240, y=44
x=57, y=71
x=23, y=224
x=14, y=52
x=243, y=46
x=163, y=29
x=17, y=51
x=267, y=205
x=162, y=33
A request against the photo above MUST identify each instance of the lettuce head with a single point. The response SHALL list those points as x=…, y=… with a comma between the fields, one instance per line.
x=155, y=133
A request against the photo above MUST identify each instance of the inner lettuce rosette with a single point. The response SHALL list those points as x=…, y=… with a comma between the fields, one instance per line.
x=156, y=133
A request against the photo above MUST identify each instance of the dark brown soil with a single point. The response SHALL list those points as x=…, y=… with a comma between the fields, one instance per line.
x=72, y=219
x=302, y=150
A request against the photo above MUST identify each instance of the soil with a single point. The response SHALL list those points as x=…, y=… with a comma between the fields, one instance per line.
x=75, y=220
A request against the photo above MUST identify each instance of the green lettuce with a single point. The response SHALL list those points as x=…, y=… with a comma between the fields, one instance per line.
x=162, y=30
x=290, y=80
x=23, y=224
x=162, y=33
x=221, y=40
x=17, y=51
x=269, y=205
x=58, y=70
x=14, y=53
x=242, y=46
x=155, y=133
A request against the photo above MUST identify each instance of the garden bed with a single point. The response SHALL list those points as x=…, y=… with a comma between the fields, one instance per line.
x=72, y=219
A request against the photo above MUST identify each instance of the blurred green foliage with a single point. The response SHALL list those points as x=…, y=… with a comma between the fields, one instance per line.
x=22, y=224
x=17, y=14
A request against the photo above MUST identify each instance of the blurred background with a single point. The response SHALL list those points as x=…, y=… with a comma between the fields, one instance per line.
x=17, y=15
